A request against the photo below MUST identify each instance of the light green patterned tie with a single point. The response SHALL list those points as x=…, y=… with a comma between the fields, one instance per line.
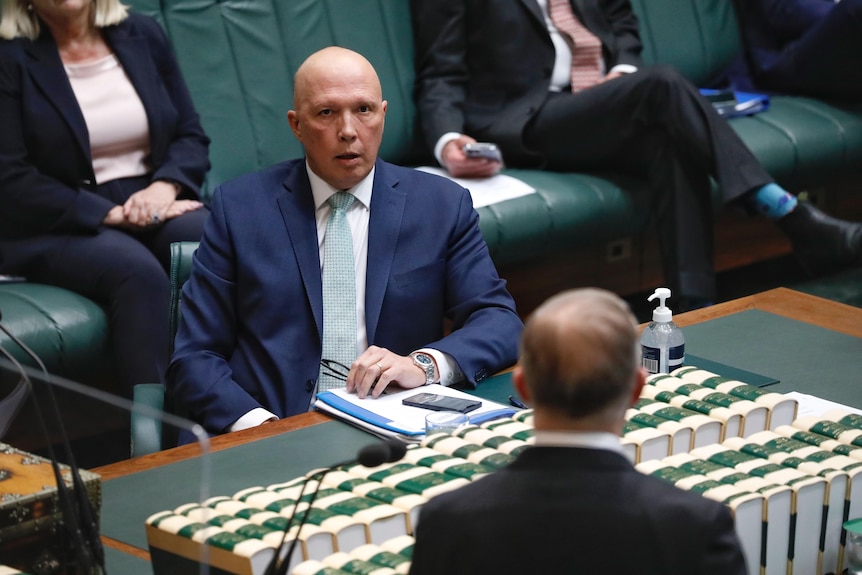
x=339, y=290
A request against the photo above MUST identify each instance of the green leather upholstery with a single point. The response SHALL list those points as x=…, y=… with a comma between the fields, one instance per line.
x=239, y=57
x=182, y=255
x=67, y=331
x=147, y=431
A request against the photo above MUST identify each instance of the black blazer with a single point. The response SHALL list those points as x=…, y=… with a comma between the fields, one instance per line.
x=483, y=67
x=47, y=183
x=573, y=510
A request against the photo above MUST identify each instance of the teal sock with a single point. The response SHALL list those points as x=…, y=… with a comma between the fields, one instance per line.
x=772, y=201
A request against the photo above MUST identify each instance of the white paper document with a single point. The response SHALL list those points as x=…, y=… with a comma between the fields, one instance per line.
x=813, y=405
x=387, y=416
x=487, y=191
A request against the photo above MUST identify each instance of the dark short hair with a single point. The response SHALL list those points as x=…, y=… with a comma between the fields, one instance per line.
x=579, y=352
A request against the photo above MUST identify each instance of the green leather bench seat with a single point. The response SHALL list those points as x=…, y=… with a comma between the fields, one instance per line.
x=568, y=210
x=239, y=57
x=68, y=332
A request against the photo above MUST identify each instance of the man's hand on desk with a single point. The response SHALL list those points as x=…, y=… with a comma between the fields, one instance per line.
x=460, y=166
x=377, y=367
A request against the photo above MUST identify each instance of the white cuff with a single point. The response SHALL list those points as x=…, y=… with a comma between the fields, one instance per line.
x=252, y=419
x=441, y=143
x=624, y=69
x=448, y=371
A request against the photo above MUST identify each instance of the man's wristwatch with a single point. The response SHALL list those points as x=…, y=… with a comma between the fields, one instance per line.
x=426, y=362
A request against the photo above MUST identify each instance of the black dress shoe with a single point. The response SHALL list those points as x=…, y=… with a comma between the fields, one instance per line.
x=822, y=243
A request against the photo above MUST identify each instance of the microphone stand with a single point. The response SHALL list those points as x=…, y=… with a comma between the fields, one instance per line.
x=79, y=517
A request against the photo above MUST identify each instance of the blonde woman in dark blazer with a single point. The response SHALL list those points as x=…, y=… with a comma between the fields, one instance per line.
x=102, y=157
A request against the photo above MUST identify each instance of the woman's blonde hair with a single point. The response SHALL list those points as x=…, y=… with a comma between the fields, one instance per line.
x=18, y=19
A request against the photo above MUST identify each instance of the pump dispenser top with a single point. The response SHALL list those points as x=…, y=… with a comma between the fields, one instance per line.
x=662, y=313
x=662, y=342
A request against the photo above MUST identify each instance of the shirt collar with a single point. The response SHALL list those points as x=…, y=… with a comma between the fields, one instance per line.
x=322, y=190
x=588, y=439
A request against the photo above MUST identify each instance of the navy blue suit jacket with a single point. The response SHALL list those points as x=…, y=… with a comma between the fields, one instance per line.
x=47, y=185
x=253, y=307
x=768, y=28
x=574, y=510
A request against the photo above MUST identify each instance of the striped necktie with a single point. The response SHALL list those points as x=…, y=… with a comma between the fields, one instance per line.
x=339, y=290
x=586, y=47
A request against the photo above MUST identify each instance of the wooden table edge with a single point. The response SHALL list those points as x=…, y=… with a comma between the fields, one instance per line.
x=217, y=443
x=787, y=303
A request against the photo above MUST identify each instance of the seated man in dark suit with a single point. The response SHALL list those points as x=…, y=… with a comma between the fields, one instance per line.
x=573, y=503
x=560, y=84
x=338, y=269
x=806, y=47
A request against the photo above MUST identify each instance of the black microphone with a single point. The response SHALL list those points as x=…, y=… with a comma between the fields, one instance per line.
x=80, y=520
x=388, y=451
x=376, y=454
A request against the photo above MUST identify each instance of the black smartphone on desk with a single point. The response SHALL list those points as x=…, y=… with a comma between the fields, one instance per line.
x=436, y=402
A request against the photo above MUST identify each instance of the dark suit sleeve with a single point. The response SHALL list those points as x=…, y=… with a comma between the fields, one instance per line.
x=180, y=150
x=626, y=38
x=200, y=377
x=788, y=20
x=32, y=201
x=439, y=34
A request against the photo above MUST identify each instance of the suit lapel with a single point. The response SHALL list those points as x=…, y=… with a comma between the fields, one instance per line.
x=297, y=211
x=48, y=73
x=387, y=212
x=532, y=6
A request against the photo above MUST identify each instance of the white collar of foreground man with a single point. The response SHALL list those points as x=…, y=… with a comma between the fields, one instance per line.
x=588, y=439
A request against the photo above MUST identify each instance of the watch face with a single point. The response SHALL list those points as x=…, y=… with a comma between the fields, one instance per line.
x=424, y=360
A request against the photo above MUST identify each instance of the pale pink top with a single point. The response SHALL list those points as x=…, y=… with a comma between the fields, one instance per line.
x=115, y=117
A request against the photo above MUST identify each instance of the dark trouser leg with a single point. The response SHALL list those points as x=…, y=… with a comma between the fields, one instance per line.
x=118, y=271
x=187, y=227
x=655, y=125
x=825, y=61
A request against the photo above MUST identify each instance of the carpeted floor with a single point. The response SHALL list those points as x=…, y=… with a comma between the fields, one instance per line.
x=844, y=286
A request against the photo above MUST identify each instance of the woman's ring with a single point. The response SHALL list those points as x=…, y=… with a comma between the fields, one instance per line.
x=154, y=217
x=380, y=367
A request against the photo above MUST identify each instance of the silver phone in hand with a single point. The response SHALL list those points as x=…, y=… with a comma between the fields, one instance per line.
x=485, y=150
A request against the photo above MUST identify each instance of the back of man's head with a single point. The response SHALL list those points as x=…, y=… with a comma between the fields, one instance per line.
x=579, y=355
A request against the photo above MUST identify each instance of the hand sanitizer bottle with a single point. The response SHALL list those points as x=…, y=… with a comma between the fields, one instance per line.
x=662, y=342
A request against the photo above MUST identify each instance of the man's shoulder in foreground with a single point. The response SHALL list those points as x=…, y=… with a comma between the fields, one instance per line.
x=401, y=175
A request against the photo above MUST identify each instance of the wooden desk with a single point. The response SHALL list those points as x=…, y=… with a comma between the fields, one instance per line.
x=784, y=302
x=788, y=303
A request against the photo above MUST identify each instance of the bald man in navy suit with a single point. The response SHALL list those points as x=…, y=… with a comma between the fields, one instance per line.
x=249, y=347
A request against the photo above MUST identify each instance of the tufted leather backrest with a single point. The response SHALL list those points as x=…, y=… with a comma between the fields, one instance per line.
x=239, y=57
x=698, y=37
